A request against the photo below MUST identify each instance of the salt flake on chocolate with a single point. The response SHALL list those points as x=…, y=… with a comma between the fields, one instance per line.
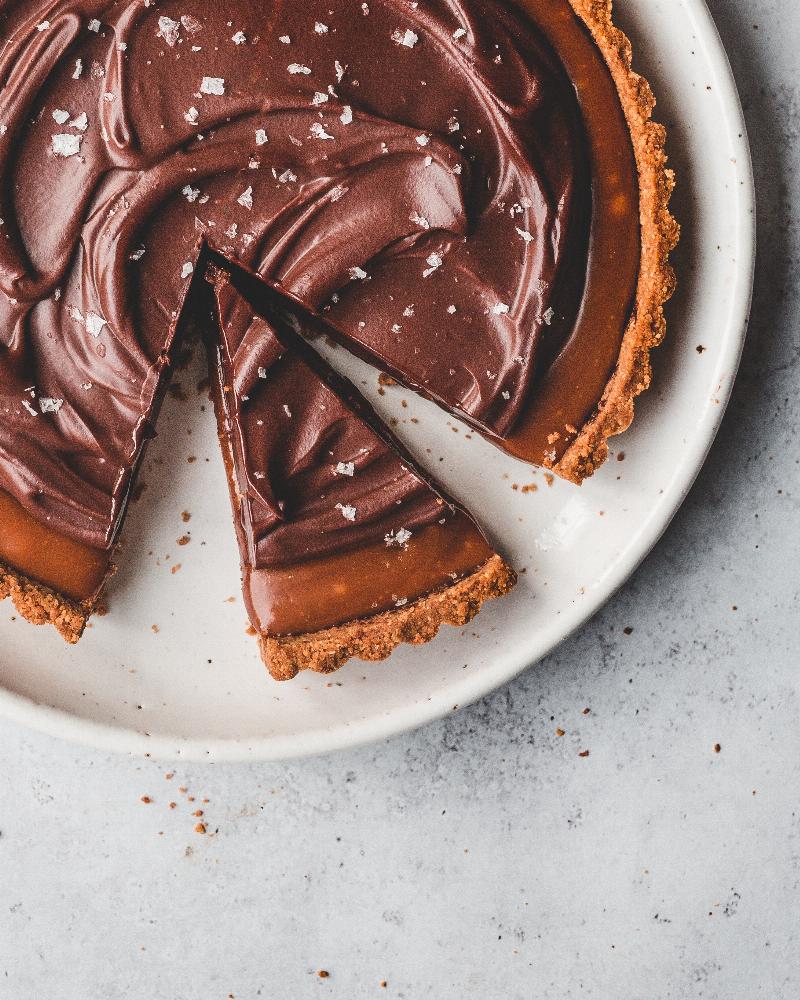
x=500, y=308
x=245, y=199
x=60, y=116
x=348, y=512
x=192, y=116
x=187, y=269
x=434, y=262
x=346, y=117
x=528, y=237
x=239, y=38
x=408, y=38
x=399, y=537
x=298, y=68
x=346, y=468
x=66, y=145
x=94, y=25
x=169, y=30
x=357, y=274
x=261, y=137
x=49, y=405
x=320, y=28
x=318, y=131
x=94, y=324
x=214, y=85
x=81, y=122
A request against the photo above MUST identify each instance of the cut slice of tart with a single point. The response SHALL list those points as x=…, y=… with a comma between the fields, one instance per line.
x=348, y=549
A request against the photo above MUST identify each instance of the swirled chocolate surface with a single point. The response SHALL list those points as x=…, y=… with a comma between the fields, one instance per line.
x=421, y=171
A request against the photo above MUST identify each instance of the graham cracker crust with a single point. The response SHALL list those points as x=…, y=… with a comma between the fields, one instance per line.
x=41, y=605
x=659, y=233
x=376, y=637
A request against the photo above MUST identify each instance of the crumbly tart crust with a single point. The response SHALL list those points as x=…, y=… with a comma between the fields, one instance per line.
x=659, y=233
x=41, y=605
x=376, y=637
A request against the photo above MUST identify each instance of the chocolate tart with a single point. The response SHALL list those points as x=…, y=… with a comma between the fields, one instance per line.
x=347, y=548
x=470, y=191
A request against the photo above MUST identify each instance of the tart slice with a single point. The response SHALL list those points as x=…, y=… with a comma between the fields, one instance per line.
x=347, y=548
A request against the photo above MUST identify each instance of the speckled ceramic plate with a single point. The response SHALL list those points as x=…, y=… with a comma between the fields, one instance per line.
x=171, y=670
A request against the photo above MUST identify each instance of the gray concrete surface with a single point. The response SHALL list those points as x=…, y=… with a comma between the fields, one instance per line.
x=482, y=857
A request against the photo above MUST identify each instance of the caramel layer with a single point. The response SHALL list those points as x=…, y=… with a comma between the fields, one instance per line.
x=43, y=554
x=569, y=391
x=363, y=582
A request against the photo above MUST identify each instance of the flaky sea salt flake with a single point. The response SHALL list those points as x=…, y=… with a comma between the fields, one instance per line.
x=348, y=512
x=500, y=309
x=528, y=237
x=81, y=122
x=434, y=262
x=245, y=199
x=169, y=30
x=60, y=116
x=214, y=85
x=66, y=145
x=346, y=468
x=298, y=69
x=318, y=131
x=357, y=274
x=320, y=28
x=187, y=269
x=94, y=324
x=94, y=25
x=192, y=116
x=239, y=38
x=261, y=137
x=408, y=38
x=49, y=405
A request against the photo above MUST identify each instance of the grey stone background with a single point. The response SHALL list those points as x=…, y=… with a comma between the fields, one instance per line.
x=482, y=857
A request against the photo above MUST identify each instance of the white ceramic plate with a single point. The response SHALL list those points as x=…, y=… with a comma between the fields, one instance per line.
x=195, y=688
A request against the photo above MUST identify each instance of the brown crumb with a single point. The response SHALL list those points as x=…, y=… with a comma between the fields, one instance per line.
x=146, y=799
x=700, y=349
x=177, y=391
x=584, y=753
x=560, y=732
x=586, y=711
x=323, y=974
x=628, y=630
x=197, y=812
x=200, y=828
x=186, y=517
x=549, y=478
x=175, y=568
x=191, y=459
x=173, y=805
x=530, y=488
x=384, y=379
x=383, y=984
x=155, y=629
x=169, y=775
x=138, y=490
x=230, y=600
x=184, y=540
x=717, y=748
x=250, y=630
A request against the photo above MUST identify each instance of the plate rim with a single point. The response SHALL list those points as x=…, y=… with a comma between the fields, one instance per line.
x=349, y=735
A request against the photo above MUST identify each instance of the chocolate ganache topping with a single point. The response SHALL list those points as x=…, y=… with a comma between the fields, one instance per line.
x=418, y=170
